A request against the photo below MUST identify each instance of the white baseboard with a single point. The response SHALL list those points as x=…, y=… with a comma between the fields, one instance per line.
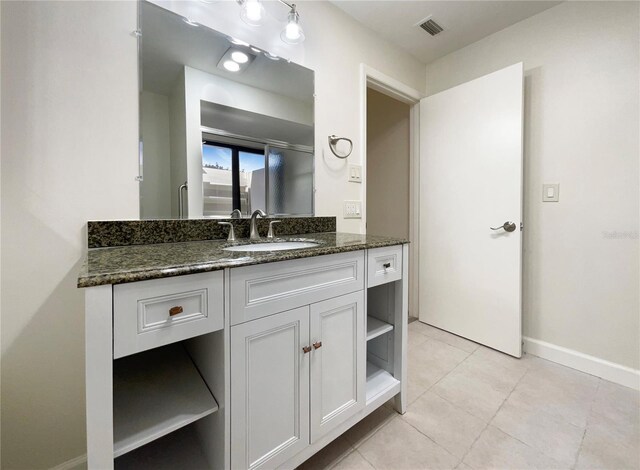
x=610, y=371
x=73, y=464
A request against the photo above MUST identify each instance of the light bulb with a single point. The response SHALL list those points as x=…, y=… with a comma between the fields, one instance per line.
x=231, y=66
x=252, y=12
x=239, y=57
x=292, y=33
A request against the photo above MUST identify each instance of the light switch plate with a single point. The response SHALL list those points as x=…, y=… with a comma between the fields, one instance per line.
x=355, y=173
x=550, y=192
x=352, y=209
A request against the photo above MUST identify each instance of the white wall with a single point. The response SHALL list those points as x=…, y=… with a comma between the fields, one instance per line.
x=214, y=89
x=581, y=130
x=69, y=140
x=334, y=48
x=69, y=154
x=155, y=189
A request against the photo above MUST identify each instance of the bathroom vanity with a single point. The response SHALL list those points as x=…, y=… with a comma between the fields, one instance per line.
x=201, y=357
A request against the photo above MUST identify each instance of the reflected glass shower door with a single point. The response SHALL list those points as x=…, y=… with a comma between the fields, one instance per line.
x=290, y=182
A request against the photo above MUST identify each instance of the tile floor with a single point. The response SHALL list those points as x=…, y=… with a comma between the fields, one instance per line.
x=472, y=407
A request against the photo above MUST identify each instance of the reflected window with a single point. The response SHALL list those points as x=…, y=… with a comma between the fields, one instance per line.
x=233, y=177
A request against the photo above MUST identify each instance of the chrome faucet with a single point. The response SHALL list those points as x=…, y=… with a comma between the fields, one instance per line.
x=253, y=229
x=236, y=214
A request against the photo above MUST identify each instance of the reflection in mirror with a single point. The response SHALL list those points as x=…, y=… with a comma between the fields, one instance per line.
x=238, y=139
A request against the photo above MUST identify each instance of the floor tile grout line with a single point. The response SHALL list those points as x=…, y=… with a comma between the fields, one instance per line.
x=492, y=418
x=429, y=389
x=435, y=443
x=415, y=330
x=429, y=338
x=586, y=424
x=343, y=457
x=560, y=465
x=377, y=430
x=366, y=459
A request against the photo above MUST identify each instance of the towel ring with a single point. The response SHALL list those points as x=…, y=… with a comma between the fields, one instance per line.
x=333, y=140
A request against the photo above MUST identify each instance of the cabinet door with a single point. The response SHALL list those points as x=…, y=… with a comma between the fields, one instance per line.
x=338, y=362
x=270, y=389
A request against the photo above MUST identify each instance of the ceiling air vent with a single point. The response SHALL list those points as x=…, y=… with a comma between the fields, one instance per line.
x=431, y=27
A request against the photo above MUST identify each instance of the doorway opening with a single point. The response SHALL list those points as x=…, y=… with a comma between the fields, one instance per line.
x=390, y=133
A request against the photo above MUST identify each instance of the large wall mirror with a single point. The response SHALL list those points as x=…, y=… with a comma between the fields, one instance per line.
x=223, y=125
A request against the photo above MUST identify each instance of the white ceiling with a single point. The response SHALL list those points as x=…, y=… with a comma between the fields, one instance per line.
x=464, y=22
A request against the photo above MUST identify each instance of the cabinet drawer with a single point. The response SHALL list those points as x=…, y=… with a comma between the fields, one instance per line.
x=148, y=314
x=258, y=291
x=384, y=265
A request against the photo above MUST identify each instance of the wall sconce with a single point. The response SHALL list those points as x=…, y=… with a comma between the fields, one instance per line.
x=252, y=13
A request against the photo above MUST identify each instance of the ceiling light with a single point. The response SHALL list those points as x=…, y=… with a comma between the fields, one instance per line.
x=231, y=65
x=240, y=57
x=292, y=33
x=251, y=12
x=235, y=60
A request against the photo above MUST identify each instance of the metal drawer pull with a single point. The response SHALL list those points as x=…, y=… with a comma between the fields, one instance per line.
x=386, y=265
x=317, y=345
x=306, y=349
x=173, y=311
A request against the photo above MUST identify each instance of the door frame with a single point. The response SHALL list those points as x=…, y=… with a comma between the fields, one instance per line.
x=380, y=82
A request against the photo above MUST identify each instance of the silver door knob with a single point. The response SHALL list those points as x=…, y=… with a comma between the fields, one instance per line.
x=507, y=226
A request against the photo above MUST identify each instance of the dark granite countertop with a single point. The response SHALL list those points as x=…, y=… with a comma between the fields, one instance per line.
x=120, y=264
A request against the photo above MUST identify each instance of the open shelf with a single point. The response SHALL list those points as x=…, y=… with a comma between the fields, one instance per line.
x=377, y=327
x=180, y=449
x=155, y=393
x=379, y=381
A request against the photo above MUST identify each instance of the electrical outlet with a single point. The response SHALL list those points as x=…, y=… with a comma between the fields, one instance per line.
x=352, y=209
x=355, y=173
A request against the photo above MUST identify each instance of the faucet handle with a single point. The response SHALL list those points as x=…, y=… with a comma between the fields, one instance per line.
x=232, y=235
x=270, y=234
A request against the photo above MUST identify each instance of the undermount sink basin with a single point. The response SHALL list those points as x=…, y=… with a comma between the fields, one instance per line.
x=276, y=246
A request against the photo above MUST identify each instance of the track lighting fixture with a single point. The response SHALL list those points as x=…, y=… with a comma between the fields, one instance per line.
x=252, y=13
x=292, y=32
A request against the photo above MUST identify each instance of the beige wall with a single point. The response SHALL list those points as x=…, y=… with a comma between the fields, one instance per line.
x=581, y=130
x=69, y=139
x=387, y=166
x=69, y=153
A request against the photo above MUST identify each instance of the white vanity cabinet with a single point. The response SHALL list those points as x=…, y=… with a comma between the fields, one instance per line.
x=251, y=367
x=296, y=375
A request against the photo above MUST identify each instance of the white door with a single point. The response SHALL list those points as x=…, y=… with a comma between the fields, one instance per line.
x=471, y=184
x=338, y=363
x=270, y=390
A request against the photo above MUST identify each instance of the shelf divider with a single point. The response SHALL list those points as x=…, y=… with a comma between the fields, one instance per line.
x=379, y=381
x=377, y=327
x=155, y=393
